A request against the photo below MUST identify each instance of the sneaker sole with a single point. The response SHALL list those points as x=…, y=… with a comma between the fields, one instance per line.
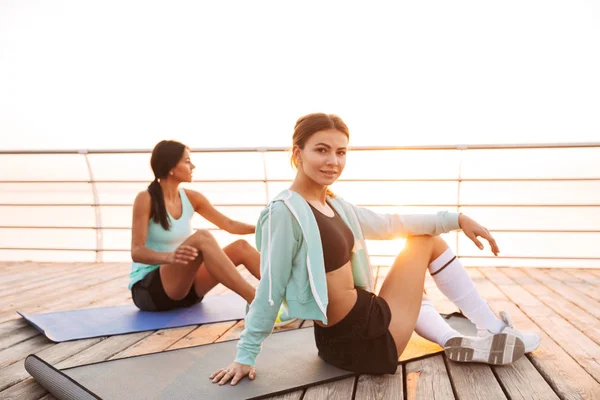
x=499, y=349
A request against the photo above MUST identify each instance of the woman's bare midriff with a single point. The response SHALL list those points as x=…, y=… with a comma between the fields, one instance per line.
x=341, y=293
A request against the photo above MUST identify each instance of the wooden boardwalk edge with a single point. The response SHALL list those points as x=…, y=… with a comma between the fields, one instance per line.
x=562, y=305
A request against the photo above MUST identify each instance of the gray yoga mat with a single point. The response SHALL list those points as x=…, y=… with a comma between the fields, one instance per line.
x=288, y=361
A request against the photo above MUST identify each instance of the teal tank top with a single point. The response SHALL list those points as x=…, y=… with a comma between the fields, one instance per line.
x=159, y=239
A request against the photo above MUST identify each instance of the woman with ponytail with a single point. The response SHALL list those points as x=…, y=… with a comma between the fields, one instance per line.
x=172, y=265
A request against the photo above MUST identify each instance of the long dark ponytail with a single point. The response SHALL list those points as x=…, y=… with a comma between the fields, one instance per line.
x=165, y=156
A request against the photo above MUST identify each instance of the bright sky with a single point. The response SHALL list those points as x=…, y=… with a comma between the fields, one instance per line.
x=126, y=74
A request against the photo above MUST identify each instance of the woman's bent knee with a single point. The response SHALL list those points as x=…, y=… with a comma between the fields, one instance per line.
x=202, y=237
x=421, y=241
x=241, y=245
x=203, y=234
x=237, y=251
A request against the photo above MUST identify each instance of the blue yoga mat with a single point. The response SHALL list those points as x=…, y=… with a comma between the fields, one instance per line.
x=95, y=322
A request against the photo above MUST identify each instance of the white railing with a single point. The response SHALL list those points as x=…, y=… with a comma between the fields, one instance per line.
x=541, y=201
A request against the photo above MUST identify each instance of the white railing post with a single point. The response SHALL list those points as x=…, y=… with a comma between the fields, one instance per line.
x=96, y=205
x=461, y=149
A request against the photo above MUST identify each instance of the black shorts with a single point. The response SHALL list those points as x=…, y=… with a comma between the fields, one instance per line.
x=149, y=295
x=361, y=342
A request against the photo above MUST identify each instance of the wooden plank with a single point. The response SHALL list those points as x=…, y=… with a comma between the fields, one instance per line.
x=17, y=272
x=594, y=272
x=80, y=298
x=566, y=377
x=380, y=387
x=22, y=277
x=36, y=280
x=508, y=372
x=204, y=334
x=297, y=395
x=156, y=342
x=587, y=289
x=474, y=381
x=38, y=273
x=307, y=323
x=102, y=350
x=18, y=336
x=19, y=351
x=583, y=301
x=30, y=389
x=24, y=390
x=586, y=282
x=65, y=300
x=56, y=351
x=7, y=327
x=16, y=372
x=6, y=267
x=18, y=264
x=98, y=351
x=64, y=287
x=575, y=343
x=521, y=380
x=233, y=333
x=338, y=390
x=55, y=285
x=578, y=317
x=428, y=379
x=21, y=388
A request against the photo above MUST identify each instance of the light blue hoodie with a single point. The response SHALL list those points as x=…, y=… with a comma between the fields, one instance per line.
x=291, y=262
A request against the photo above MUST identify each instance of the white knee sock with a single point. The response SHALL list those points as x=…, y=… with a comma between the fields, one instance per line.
x=455, y=283
x=432, y=326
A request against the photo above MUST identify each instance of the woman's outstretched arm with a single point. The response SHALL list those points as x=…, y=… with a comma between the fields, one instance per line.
x=203, y=207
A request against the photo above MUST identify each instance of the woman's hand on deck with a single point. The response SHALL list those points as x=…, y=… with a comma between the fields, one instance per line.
x=473, y=230
x=235, y=371
x=183, y=255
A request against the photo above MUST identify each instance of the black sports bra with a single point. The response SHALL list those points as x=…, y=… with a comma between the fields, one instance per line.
x=337, y=239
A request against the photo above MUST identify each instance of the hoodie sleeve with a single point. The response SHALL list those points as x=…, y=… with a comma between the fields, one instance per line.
x=377, y=226
x=278, y=243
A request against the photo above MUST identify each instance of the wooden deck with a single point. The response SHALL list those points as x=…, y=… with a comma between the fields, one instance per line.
x=562, y=305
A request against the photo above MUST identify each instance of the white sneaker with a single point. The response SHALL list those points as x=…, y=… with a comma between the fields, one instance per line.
x=496, y=349
x=531, y=340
